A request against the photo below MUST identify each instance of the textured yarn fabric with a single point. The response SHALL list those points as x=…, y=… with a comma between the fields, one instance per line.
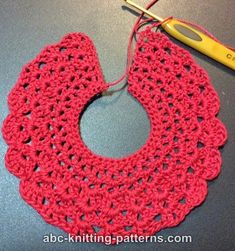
x=81, y=192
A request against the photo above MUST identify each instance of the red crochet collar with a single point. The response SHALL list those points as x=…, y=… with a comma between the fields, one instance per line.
x=81, y=192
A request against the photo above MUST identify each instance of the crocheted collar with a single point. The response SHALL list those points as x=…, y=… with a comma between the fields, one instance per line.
x=79, y=191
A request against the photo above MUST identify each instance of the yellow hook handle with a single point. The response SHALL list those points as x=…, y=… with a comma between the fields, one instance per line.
x=194, y=38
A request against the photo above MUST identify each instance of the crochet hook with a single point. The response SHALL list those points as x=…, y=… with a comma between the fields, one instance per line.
x=193, y=37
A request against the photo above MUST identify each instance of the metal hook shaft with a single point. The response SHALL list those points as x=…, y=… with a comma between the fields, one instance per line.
x=147, y=12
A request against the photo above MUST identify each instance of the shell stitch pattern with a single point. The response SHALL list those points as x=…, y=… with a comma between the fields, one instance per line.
x=81, y=192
